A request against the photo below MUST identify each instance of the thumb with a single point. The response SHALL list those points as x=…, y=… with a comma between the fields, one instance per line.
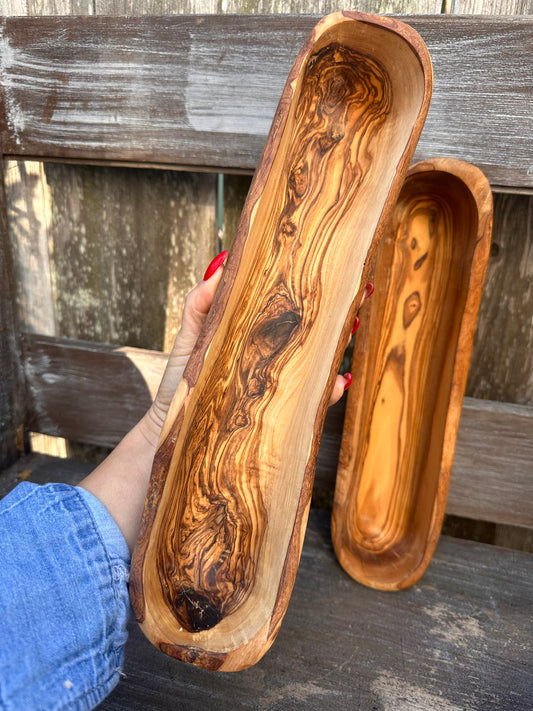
x=196, y=307
x=195, y=310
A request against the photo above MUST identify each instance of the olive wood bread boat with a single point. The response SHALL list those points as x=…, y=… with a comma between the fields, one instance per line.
x=229, y=495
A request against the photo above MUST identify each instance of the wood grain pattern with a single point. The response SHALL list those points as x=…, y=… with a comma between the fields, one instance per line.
x=88, y=392
x=28, y=208
x=263, y=7
x=491, y=7
x=124, y=243
x=230, y=488
x=492, y=472
x=412, y=361
x=163, y=115
x=216, y=519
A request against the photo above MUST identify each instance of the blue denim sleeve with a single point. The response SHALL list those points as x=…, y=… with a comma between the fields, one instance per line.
x=64, y=569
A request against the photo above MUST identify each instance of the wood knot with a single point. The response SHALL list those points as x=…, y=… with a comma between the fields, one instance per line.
x=256, y=387
x=336, y=92
x=411, y=307
x=195, y=611
x=420, y=261
x=298, y=180
x=276, y=327
x=287, y=227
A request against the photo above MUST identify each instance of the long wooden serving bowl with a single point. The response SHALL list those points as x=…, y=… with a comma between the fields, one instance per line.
x=410, y=367
x=227, y=505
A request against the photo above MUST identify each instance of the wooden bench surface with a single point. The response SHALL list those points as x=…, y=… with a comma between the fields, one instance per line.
x=459, y=640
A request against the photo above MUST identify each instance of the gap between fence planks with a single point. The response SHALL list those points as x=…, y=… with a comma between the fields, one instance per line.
x=72, y=383
x=170, y=90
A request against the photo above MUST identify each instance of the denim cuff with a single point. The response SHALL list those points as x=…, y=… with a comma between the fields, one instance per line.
x=105, y=523
x=64, y=604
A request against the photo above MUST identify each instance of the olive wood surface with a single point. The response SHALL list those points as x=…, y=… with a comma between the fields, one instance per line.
x=227, y=505
x=410, y=362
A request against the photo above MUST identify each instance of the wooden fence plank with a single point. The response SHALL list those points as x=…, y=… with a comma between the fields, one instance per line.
x=11, y=384
x=88, y=392
x=492, y=476
x=117, y=253
x=502, y=359
x=491, y=7
x=29, y=214
x=202, y=91
x=47, y=7
x=127, y=248
x=263, y=7
x=95, y=393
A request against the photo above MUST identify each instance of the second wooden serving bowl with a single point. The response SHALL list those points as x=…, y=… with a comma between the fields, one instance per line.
x=410, y=367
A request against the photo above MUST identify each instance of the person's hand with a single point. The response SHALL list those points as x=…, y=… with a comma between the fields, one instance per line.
x=195, y=310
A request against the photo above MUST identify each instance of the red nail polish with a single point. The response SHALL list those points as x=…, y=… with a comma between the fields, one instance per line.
x=356, y=324
x=215, y=264
x=348, y=380
x=369, y=289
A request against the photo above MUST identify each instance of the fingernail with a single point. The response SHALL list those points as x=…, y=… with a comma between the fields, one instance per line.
x=217, y=261
x=356, y=324
x=369, y=289
x=347, y=380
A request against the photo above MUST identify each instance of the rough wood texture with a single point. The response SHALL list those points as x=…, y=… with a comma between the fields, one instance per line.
x=96, y=247
x=230, y=488
x=263, y=7
x=492, y=466
x=11, y=382
x=106, y=249
x=29, y=217
x=502, y=359
x=168, y=62
x=88, y=392
x=490, y=7
x=411, y=360
x=47, y=7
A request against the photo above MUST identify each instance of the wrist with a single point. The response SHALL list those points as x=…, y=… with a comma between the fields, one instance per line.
x=120, y=482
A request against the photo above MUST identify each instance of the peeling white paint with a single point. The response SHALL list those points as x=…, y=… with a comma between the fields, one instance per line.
x=14, y=114
x=51, y=378
x=295, y=692
x=227, y=94
x=454, y=628
x=395, y=694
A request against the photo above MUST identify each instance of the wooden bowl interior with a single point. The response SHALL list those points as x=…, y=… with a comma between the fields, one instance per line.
x=236, y=478
x=406, y=373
